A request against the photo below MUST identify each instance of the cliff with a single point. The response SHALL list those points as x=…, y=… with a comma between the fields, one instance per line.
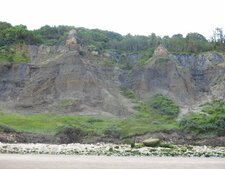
x=69, y=78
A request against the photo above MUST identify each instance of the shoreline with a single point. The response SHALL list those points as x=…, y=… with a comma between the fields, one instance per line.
x=107, y=149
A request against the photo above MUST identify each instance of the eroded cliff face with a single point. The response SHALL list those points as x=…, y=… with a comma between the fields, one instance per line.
x=189, y=80
x=70, y=79
x=62, y=80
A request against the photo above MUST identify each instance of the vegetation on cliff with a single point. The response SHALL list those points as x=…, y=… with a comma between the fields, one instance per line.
x=164, y=105
x=210, y=121
x=100, y=40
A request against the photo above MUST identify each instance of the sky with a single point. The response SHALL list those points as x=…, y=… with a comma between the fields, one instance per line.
x=137, y=17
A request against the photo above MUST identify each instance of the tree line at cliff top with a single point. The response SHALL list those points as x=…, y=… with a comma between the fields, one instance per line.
x=100, y=40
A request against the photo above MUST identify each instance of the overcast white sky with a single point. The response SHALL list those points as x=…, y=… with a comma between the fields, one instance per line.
x=142, y=17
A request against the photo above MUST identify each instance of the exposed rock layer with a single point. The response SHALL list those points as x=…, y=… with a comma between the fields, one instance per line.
x=69, y=79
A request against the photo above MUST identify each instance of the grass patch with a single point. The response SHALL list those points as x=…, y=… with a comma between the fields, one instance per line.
x=51, y=123
x=146, y=120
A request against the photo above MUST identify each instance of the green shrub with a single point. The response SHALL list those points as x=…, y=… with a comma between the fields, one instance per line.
x=138, y=145
x=132, y=145
x=210, y=121
x=6, y=129
x=13, y=54
x=163, y=105
x=128, y=93
x=111, y=149
x=112, y=131
x=166, y=145
x=140, y=106
x=69, y=134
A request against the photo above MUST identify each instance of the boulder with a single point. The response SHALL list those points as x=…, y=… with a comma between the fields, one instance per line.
x=151, y=142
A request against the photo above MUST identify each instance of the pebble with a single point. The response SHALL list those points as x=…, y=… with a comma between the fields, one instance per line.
x=111, y=149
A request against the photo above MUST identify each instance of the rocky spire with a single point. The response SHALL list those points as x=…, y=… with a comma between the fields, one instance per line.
x=161, y=51
x=71, y=41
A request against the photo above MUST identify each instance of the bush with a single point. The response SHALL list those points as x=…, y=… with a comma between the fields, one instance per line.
x=13, y=54
x=164, y=105
x=128, y=93
x=138, y=145
x=166, y=145
x=112, y=131
x=69, y=134
x=210, y=121
x=132, y=145
x=6, y=129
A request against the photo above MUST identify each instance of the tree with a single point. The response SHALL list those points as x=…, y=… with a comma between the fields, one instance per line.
x=4, y=25
x=175, y=44
x=178, y=36
x=197, y=43
x=218, y=35
x=218, y=40
x=196, y=37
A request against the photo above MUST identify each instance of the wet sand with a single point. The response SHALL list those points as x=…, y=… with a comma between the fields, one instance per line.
x=16, y=161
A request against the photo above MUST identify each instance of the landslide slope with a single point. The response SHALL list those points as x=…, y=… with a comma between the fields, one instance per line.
x=62, y=79
x=70, y=78
x=189, y=80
